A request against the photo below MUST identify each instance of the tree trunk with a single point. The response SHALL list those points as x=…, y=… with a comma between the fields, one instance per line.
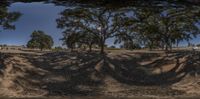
x=177, y=43
x=41, y=49
x=90, y=48
x=84, y=48
x=72, y=49
x=171, y=46
x=102, y=48
x=166, y=44
x=102, y=43
x=163, y=46
x=166, y=47
x=151, y=45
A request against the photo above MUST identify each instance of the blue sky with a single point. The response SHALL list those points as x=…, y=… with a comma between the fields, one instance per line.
x=35, y=16
x=39, y=16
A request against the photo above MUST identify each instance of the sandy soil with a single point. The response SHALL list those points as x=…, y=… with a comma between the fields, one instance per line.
x=116, y=74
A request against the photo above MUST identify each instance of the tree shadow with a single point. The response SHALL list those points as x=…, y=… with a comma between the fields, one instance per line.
x=83, y=74
x=77, y=76
x=1, y=63
x=129, y=71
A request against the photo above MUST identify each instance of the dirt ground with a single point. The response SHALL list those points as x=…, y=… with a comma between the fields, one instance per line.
x=153, y=74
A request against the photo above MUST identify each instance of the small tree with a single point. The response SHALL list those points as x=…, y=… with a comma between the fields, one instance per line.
x=40, y=40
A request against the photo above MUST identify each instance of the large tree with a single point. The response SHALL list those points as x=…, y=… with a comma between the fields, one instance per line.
x=166, y=26
x=155, y=28
x=178, y=24
x=99, y=23
x=40, y=40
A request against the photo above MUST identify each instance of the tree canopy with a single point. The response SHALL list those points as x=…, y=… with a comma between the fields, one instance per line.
x=6, y=17
x=152, y=27
x=40, y=40
x=91, y=24
x=128, y=3
x=154, y=24
x=167, y=26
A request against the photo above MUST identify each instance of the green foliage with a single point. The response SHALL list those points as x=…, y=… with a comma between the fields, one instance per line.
x=89, y=26
x=58, y=48
x=114, y=4
x=161, y=28
x=7, y=18
x=147, y=26
x=40, y=40
x=70, y=39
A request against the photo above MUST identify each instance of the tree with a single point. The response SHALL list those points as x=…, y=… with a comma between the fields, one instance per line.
x=166, y=26
x=7, y=18
x=100, y=23
x=40, y=40
x=131, y=45
x=128, y=3
x=198, y=45
x=88, y=39
x=177, y=24
x=79, y=39
x=70, y=39
x=155, y=28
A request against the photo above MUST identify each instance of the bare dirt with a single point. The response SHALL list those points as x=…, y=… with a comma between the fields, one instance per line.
x=115, y=74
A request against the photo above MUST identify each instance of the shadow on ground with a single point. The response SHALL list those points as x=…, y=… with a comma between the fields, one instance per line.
x=83, y=74
x=129, y=71
x=69, y=73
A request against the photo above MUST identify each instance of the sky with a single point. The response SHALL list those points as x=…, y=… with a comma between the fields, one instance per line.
x=39, y=16
x=35, y=16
